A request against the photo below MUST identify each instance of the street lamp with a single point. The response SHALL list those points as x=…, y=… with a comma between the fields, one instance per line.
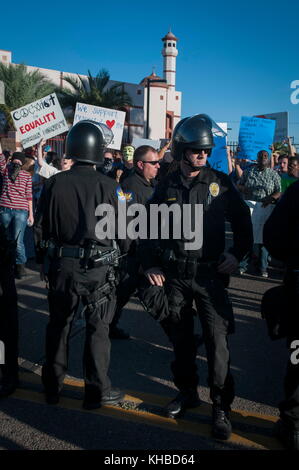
x=149, y=81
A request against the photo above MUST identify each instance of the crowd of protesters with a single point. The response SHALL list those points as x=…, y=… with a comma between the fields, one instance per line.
x=22, y=175
x=262, y=184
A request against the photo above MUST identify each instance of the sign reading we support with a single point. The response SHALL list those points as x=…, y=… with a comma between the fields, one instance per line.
x=41, y=119
x=111, y=117
x=255, y=134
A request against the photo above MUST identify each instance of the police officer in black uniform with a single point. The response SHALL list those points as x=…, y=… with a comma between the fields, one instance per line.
x=8, y=316
x=281, y=238
x=79, y=264
x=200, y=274
x=138, y=189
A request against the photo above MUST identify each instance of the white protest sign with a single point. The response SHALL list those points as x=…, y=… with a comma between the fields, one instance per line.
x=111, y=117
x=41, y=119
x=138, y=141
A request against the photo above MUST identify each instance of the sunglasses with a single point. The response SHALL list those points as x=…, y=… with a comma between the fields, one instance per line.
x=201, y=150
x=154, y=162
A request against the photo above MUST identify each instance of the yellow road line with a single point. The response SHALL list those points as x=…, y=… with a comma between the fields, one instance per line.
x=238, y=416
x=200, y=429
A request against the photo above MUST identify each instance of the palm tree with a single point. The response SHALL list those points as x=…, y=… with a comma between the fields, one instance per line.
x=94, y=90
x=22, y=87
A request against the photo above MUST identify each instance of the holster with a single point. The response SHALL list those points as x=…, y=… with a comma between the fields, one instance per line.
x=91, y=255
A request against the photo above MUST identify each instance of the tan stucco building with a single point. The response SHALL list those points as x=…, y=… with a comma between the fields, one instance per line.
x=164, y=109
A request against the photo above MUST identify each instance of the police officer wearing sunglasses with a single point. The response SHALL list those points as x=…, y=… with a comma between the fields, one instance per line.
x=200, y=274
x=138, y=188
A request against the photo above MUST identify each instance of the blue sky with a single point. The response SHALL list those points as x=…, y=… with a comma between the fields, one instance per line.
x=234, y=59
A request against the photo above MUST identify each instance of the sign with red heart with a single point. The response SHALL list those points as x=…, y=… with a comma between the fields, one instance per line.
x=110, y=124
x=112, y=118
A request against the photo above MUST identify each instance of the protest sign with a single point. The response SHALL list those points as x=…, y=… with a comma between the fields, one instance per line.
x=138, y=141
x=41, y=119
x=282, y=124
x=218, y=158
x=255, y=134
x=111, y=117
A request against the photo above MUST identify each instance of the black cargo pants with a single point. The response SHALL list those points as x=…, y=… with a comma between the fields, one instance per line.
x=67, y=285
x=216, y=316
x=128, y=283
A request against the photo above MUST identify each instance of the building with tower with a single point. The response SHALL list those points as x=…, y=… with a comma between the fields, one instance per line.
x=156, y=105
x=169, y=53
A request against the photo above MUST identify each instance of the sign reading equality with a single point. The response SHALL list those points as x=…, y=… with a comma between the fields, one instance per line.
x=111, y=117
x=41, y=119
x=255, y=134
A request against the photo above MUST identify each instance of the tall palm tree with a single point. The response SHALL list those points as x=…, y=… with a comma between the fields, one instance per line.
x=22, y=87
x=94, y=90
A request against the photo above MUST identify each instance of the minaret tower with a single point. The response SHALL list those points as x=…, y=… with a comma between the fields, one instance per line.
x=169, y=53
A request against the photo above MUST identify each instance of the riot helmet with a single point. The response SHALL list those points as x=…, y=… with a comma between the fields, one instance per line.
x=86, y=142
x=193, y=132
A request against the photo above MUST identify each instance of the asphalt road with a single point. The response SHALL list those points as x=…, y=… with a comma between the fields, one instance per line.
x=140, y=366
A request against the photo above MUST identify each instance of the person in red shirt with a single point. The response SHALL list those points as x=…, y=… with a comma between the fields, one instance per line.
x=16, y=204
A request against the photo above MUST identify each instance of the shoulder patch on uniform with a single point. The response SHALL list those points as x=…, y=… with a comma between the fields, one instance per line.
x=129, y=196
x=214, y=189
x=120, y=194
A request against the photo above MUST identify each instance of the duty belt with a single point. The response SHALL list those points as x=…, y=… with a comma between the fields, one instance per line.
x=187, y=268
x=76, y=252
x=79, y=252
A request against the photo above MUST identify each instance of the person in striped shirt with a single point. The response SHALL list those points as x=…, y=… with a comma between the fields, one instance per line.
x=16, y=204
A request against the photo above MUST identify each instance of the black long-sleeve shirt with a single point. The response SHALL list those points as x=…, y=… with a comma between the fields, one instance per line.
x=220, y=201
x=138, y=188
x=67, y=208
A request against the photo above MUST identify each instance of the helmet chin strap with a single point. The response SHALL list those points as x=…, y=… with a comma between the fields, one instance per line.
x=191, y=165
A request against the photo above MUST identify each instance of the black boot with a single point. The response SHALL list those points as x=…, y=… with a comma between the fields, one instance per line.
x=221, y=428
x=287, y=434
x=185, y=399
